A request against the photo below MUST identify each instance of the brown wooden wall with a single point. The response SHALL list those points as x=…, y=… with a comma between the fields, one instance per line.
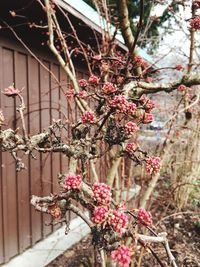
x=20, y=226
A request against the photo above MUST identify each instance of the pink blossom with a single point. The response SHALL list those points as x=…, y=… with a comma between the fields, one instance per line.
x=109, y=88
x=102, y=193
x=100, y=214
x=149, y=79
x=138, y=59
x=131, y=108
x=88, y=117
x=119, y=102
x=148, y=103
x=147, y=117
x=152, y=164
x=179, y=67
x=144, y=217
x=97, y=57
x=118, y=220
x=130, y=147
x=122, y=256
x=196, y=4
x=131, y=127
x=82, y=82
x=144, y=64
x=195, y=23
x=11, y=91
x=83, y=94
x=181, y=88
x=69, y=93
x=72, y=182
x=93, y=80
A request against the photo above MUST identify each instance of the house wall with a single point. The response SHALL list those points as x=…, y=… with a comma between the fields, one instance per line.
x=20, y=225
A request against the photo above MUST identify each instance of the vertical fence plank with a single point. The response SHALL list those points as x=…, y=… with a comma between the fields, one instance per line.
x=55, y=115
x=46, y=158
x=1, y=178
x=23, y=183
x=34, y=128
x=9, y=185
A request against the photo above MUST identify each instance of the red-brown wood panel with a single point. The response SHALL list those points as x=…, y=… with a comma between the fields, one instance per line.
x=45, y=82
x=55, y=115
x=8, y=165
x=23, y=182
x=1, y=182
x=64, y=115
x=34, y=128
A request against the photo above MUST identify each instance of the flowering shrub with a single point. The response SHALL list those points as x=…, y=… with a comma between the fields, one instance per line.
x=93, y=80
x=196, y=4
x=119, y=102
x=83, y=94
x=195, y=23
x=83, y=82
x=69, y=93
x=131, y=127
x=102, y=193
x=118, y=220
x=147, y=117
x=122, y=256
x=11, y=91
x=88, y=117
x=109, y=88
x=181, y=88
x=100, y=214
x=153, y=164
x=144, y=217
x=72, y=182
x=147, y=103
x=179, y=67
x=130, y=147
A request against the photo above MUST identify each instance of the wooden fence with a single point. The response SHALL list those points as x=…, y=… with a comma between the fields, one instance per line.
x=20, y=226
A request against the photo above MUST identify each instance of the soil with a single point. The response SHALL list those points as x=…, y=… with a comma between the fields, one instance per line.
x=181, y=227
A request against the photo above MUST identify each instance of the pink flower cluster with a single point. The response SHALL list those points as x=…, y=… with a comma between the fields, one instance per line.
x=130, y=147
x=102, y=193
x=83, y=83
x=195, y=23
x=179, y=67
x=119, y=102
x=147, y=117
x=152, y=164
x=93, y=80
x=83, y=94
x=72, y=182
x=141, y=62
x=144, y=217
x=100, y=214
x=181, y=88
x=118, y=220
x=11, y=91
x=109, y=88
x=148, y=103
x=88, y=117
x=122, y=256
x=69, y=93
x=196, y=4
x=131, y=127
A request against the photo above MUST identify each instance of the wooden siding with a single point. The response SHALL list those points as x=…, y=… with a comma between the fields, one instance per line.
x=20, y=225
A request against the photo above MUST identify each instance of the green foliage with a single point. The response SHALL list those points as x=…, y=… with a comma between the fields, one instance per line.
x=151, y=35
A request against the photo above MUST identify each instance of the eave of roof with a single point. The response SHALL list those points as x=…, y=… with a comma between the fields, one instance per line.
x=90, y=17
